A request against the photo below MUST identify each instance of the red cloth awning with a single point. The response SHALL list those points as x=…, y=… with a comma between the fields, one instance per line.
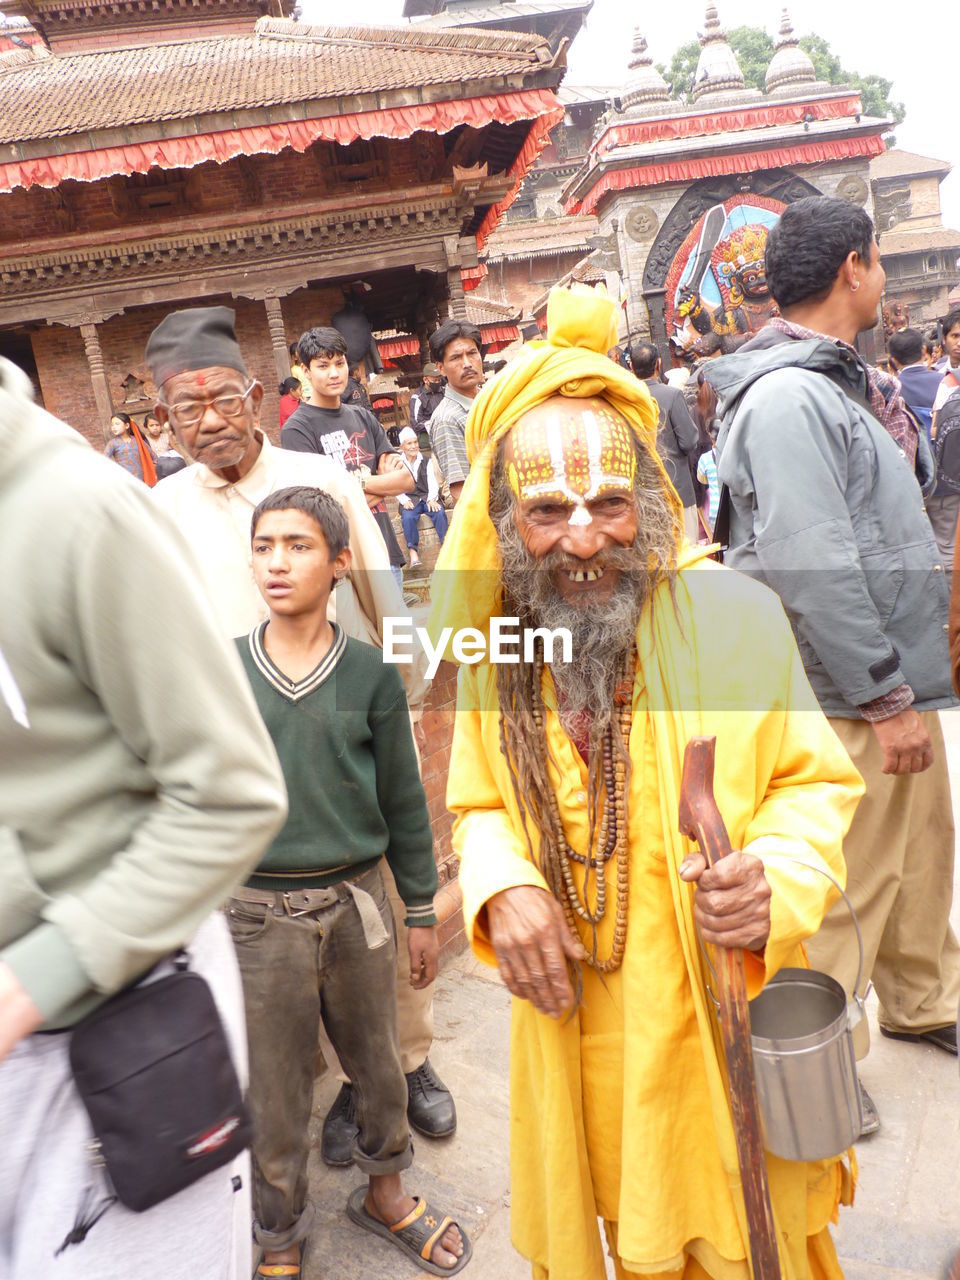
x=736, y=118
x=713, y=166
x=497, y=336
x=539, y=105
x=395, y=348
x=537, y=140
x=470, y=277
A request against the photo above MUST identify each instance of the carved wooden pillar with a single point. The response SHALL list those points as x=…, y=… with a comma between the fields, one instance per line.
x=278, y=337
x=98, y=374
x=458, y=299
x=455, y=291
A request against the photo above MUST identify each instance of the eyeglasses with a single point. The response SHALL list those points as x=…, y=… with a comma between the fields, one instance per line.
x=188, y=413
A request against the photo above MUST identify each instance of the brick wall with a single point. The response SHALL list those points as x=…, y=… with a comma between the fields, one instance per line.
x=65, y=379
x=925, y=202
x=207, y=195
x=521, y=281
x=65, y=375
x=306, y=308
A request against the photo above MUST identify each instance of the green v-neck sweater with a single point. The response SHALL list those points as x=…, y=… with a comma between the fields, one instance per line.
x=346, y=749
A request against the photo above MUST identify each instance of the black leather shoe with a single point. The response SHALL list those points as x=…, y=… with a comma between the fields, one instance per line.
x=340, y=1130
x=430, y=1105
x=944, y=1038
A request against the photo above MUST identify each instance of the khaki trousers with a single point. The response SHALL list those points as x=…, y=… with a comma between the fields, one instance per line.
x=899, y=854
x=691, y=523
x=942, y=513
x=414, y=1008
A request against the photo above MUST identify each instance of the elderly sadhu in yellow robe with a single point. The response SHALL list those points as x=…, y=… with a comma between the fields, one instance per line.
x=620, y=1111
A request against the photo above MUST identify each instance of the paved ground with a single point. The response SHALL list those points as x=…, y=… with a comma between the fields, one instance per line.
x=907, y=1216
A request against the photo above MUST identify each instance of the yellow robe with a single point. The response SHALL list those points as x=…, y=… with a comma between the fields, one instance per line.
x=622, y=1110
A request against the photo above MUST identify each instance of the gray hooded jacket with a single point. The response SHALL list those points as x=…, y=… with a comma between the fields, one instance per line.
x=826, y=510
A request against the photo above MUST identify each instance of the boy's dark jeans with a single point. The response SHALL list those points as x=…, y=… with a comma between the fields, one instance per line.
x=297, y=964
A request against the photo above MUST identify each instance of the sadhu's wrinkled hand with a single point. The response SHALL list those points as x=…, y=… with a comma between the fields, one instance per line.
x=732, y=902
x=532, y=942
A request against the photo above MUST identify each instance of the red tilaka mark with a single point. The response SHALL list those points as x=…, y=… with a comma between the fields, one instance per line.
x=201, y=380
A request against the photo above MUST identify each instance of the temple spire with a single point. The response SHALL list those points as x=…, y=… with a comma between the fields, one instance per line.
x=718, y=70
x=790, y=64
x=645, y=83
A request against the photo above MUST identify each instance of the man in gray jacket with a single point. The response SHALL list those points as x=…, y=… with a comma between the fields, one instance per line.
x=677, y=433
x=138, y=787
x=822, y=461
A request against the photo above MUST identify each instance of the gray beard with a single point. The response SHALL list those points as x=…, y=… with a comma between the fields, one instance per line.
x=601, y=638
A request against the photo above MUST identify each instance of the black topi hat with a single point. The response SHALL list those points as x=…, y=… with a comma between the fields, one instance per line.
x=197, y=338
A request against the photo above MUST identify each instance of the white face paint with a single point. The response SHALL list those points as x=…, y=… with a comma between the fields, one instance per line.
x=573, y=463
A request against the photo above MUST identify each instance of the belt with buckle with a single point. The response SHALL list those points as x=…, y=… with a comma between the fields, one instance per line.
x=300, y=902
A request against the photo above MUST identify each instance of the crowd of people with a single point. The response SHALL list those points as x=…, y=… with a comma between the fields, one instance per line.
x=258, y=821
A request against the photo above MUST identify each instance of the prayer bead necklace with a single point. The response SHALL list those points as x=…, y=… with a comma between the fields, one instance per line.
x=612, y=837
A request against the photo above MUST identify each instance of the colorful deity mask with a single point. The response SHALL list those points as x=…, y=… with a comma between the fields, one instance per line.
x=561, y=457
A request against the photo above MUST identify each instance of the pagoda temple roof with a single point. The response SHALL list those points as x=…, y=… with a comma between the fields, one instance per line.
x=541, y=238
x=558, y=21
x=280, y=63
x=481, y=15
x=481, y=311
x=895, y=163
x=585, y=95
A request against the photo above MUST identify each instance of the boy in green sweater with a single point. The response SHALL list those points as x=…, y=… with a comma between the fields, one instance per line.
x=313, y=929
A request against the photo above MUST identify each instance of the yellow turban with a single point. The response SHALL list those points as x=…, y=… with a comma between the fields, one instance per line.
x=581, y=329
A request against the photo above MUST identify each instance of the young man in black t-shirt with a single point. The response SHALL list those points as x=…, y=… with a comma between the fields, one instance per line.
x=348, y=434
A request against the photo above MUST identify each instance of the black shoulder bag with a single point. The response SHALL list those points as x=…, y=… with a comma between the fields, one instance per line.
x=153, y=1068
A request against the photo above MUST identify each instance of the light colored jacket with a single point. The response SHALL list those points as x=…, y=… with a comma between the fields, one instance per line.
x=827, y=510
x=135, y=791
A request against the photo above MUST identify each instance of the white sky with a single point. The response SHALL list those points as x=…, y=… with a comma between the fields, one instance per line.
x=920, y=57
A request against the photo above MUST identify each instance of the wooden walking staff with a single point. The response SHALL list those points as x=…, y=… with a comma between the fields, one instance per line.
x=700, y=820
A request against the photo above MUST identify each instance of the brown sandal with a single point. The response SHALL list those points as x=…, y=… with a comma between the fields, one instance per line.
x=415, y=1235
x=279, y=1269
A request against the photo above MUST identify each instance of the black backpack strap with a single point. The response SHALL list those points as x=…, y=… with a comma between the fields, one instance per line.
x=721, y=526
